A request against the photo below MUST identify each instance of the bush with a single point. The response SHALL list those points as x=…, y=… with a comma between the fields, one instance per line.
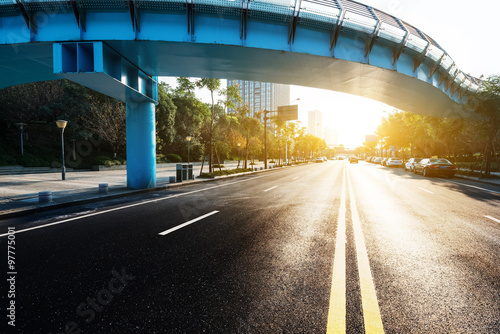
x=224, y=172
x=172, y=157
x=7, y=160
x=29, y=160
x=219, y=166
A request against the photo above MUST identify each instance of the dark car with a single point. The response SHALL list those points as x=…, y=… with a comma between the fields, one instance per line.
x=435, y=166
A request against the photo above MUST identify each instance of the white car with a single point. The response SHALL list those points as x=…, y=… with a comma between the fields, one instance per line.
x=394, y=162
x=410, y=164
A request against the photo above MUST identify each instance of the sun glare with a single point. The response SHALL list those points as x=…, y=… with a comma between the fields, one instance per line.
x=351, y=116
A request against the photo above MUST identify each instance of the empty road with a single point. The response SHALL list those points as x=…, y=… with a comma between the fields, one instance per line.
x=324, y=248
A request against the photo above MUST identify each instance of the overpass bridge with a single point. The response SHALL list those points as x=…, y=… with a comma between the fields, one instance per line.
x=120, y=47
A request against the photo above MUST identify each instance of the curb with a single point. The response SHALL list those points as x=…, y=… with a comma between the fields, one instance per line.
x=476, y=180
x=54, y=206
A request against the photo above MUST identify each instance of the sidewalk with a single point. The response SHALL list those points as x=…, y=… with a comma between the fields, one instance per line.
x=19, y=192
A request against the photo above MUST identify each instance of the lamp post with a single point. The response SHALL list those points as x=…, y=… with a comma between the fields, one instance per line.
x=21, y=127
x=286, y=135
x=239, y=156
x=188, y=138
x=61, y=124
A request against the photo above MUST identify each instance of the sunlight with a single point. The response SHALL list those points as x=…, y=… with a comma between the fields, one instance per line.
x=352, y=116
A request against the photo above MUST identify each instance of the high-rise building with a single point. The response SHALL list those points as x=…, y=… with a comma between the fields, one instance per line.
x=315, y=123
x=261, y=95
x=331, y=137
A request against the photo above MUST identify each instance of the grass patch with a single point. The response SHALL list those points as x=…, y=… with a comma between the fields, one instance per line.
x=224, y=172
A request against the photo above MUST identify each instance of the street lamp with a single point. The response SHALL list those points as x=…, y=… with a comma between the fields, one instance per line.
x=188, y=138
x=286, y=135
x=61, y=124
x=265, y=133
x=21, y=127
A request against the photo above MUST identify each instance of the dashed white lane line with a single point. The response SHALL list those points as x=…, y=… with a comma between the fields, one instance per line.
x=430, y=192
x=295, y=178
x=187, y=223
x=270, y=188
x=133, y=205
x=470, y=186
x=494, y=219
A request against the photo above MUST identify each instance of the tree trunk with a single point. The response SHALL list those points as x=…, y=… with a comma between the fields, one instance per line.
x=211, y=159
x=202, y=163
x=246, y=151
x=218, y=160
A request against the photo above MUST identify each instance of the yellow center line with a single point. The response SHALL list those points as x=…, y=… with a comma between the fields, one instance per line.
x=369, y=301
x=337, y=308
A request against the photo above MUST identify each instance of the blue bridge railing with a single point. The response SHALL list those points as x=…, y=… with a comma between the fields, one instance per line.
x=340, y=17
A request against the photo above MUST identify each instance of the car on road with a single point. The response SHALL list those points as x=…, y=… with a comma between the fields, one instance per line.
x=394, y=162
x=383, y=162
x=353, y=160
x=435, y=166
x=377, y=160
x=319, y=160
x=410, y=164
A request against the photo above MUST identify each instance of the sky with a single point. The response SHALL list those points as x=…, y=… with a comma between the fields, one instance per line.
x=466, y=29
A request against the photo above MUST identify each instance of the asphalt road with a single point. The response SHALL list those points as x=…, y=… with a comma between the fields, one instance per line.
x=323, y=248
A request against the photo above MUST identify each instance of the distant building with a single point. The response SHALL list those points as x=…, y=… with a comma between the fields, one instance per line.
x=261, y=95
x=315, y=123
x=331, y=137
x=370, y=138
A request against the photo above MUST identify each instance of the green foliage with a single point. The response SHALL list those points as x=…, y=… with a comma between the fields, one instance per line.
x=165, y=118
x=30, y=160
x=7, y=160
x=172, y=157
x=224, y=172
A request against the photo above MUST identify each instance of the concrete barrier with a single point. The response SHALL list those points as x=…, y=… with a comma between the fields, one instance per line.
x=44, y=197
x=103, y=188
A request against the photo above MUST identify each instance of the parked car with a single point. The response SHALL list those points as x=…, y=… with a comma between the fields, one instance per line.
x=384, y=160
x=377, y=160
x=394, y=162
x=410, y=164
x=353, y=160
x=435, y=166
x=319, y=160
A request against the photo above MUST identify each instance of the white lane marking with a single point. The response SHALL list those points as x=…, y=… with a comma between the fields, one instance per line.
x=337, y=307
x=295, y=178
x=187, y=223
x=430, y=192
x=133, y=205
x=468, y=185
x=271, y=188
x=494, y=219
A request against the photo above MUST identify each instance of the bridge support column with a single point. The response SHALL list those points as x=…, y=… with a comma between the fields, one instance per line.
x=141, y=145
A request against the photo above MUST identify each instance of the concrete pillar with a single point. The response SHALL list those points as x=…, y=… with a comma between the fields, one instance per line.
x=141, y=145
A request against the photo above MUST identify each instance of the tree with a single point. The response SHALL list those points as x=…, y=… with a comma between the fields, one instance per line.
x=107, y=119
x=213, y=86
x=487, y=104
x=165, y=118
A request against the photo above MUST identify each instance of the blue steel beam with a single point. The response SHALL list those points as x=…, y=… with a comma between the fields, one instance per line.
x=262, y=29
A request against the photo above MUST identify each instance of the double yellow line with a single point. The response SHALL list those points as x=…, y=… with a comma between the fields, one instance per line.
x=337, y=308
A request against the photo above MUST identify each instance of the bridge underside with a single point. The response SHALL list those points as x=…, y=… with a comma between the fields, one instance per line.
x=23, y=63
x=119, y=48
